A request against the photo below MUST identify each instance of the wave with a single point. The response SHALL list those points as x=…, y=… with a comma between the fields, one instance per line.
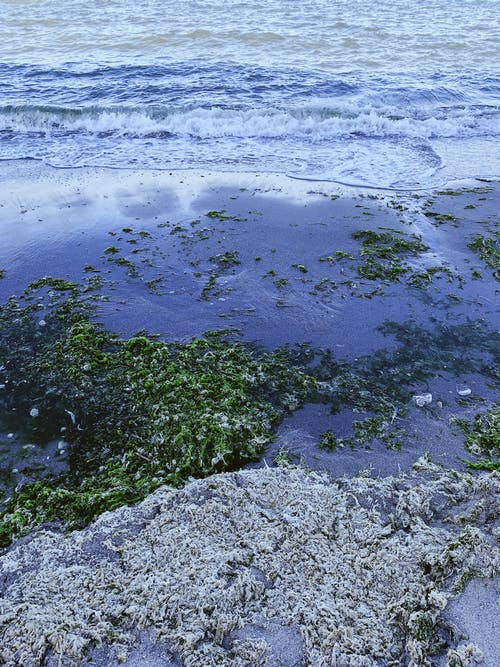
x=311, y=123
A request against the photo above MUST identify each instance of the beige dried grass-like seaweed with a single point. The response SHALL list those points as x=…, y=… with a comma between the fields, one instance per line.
x=361, y=567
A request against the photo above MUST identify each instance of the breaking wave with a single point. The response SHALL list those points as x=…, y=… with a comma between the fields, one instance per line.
x=383, y=128
x=314, y=124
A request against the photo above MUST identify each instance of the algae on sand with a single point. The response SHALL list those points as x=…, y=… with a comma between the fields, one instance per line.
x=138, y=413
x=482, y=438
x=141, y=412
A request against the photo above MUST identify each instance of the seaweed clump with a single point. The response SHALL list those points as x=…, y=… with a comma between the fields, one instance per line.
x=138, y=413
x=379, y=386
x=482, y=438
x=384, y=253
x=488, y=249
x=261, y=565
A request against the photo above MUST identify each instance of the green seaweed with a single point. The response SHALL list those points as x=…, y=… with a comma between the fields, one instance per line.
x=382, y=256
x=226, y=259
x=425, y=278
x=130, y=266
x=383, y=253
x=381, y=384
x=365, y=432
x=484, y=464
x=488, y=249
x=482, y=438
x=58, y=284
x=324, y=285
x=450, y=193
x=441, y=217
x=340, y=254
x=209, y=286
x=153, y=285
x=137, y=413
x=300, y=267
x=222, y=217
x=178, y=229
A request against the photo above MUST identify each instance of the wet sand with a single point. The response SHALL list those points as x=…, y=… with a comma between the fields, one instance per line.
x=182, y=253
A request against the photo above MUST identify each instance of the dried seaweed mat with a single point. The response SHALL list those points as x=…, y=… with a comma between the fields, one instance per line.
x=268, y=567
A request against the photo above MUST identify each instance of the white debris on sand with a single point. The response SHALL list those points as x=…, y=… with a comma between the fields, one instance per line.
x=422, y=399
x=276, y=566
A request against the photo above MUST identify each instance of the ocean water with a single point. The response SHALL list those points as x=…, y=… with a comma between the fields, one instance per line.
x=401, y=94
x=393, y=93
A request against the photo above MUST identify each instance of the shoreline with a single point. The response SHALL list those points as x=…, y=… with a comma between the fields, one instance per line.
x=220, y=176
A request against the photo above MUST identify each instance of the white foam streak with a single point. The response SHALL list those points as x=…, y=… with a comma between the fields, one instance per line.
x=312, y=124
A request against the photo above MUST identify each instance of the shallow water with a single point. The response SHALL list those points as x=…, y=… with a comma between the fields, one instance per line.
x=429, y=34
x=286, y=285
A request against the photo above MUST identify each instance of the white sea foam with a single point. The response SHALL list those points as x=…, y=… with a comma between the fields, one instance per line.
x=315, y=124
x=374, y=147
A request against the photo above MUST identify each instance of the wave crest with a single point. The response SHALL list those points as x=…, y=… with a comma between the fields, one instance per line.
x=312, y=124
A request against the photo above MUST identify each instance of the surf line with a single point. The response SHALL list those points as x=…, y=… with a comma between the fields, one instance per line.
x=365, y=186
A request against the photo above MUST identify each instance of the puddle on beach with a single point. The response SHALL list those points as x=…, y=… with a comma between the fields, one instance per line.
x=387, y=284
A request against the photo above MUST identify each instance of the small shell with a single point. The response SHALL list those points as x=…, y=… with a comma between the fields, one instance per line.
x=34, y=412
x=464, y=391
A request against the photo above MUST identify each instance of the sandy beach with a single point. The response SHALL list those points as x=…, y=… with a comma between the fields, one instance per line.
x=249, y=333
x=281, y=262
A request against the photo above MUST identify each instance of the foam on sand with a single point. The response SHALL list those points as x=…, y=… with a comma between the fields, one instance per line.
x=262, y=567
